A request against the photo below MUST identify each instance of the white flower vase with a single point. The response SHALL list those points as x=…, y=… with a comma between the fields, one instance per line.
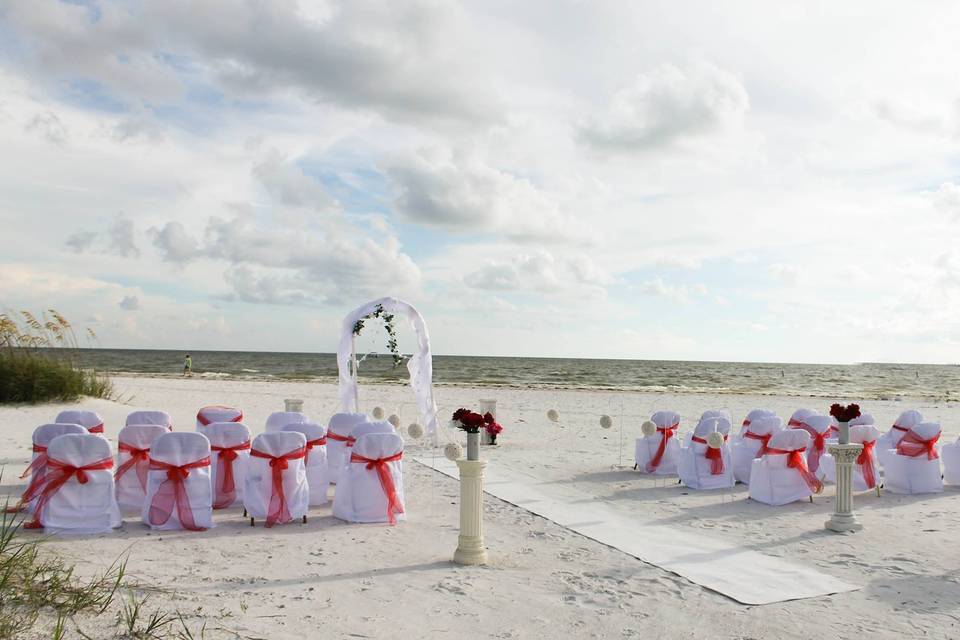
x=473, y=446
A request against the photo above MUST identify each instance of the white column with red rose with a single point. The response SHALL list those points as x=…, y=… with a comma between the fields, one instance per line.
x=471, y=549
x=845, y=456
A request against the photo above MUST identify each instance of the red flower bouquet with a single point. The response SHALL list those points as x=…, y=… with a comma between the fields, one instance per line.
x=845, y=413
x=468, y=420
x=492, y=427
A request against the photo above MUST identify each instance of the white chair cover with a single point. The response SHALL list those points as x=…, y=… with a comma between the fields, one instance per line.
x=81, y=507
x=950, y=454
x=259, y=495
x=753, y=445
x=695, y=469
x=315, y=462
x=773, y=481
x=910, y=469
x=904, y=422
x=648, y=447
x=90, y=420
x=277, y=420
x=753, y=415
x=362, y=494
x=818, y=428
x=800, y=417
x=133, y=464
x=161, y=418
x=723, y=423
x=865, y=434
x=190, y=450
x=229, y=457
x=338, y=437
x=37, y=469
x=862, y=419
x=217, y=413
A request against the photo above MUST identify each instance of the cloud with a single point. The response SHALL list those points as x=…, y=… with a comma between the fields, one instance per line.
x=49, y=126
x=463, y=194
x=668, y=105
x=541, y=272
x=129, y=303
x=785, y=273
x=174, y=243
x=81, y=241
x=121, y=237
x=947, y=199
x=681, y=293
x=288, y=184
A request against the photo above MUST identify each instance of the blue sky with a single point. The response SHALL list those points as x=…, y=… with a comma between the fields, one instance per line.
x=604, y=179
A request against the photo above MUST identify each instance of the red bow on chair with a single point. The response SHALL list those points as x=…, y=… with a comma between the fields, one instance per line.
x=715, y=456
x=58, y=472
x=278, y=511
x=815, y=451
x=139, y=458
x=764, y=441
x=665, y=434
x=865, y=460
x=172, y=493
x=204, y=420
x=913, y=446
x=319, y=442
x=225, y=493
x=796, y=461
x=386, y=481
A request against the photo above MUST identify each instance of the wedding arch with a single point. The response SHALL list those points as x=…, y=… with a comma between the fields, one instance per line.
x=420, y=364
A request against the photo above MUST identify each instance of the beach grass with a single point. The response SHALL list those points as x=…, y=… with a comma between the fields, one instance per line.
x=39, y=360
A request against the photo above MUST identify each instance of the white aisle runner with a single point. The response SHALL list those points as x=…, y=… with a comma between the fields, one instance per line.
x=744, y=575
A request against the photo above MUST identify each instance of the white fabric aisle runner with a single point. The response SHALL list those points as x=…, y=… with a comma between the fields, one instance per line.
x=746, y=576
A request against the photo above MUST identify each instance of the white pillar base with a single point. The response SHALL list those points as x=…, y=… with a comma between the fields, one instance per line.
x=843, y=519
x=470, y=546
x=843, y=523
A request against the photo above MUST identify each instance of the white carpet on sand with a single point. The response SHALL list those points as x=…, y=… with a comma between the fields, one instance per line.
x=739, y=573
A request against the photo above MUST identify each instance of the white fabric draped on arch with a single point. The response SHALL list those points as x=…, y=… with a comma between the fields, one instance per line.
x=420, y=364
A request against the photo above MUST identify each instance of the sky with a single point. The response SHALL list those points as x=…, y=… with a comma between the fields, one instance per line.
x=744, y=181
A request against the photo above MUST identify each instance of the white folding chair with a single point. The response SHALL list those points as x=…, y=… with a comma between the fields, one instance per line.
x=659, y=452
x=133, y=463
x=277, y=420
x=179, y=492
x=753, y=445
x=818, y=428
x=161, y=418
x=889, y=440
x=338, y=439
x=276, y=485
x=229, y=458
x=90, y=420
x=914, y=466
x=866, y=472
x=78, y=492
x=217, y=413
x=702, y=465
x=37, y=469
x=371, y=488
x=315, y=460
x=781, y=475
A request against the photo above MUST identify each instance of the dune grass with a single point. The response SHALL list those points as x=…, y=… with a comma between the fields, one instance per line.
x=39, y=360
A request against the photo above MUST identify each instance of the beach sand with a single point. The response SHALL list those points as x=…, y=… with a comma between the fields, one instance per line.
x=331, y=579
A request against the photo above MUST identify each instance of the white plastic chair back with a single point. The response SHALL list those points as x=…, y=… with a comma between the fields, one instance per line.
x=752, y=415
x=859, y=434
x=90, y=420
x=81, y=507
x=907, y=474
x=315, y=462
x=161, y=418
x=950, y=454
x=772, y=480
x=904, y=422
x=751, y=446
x=277, y=420
x=695, y=469
x=648, y=447
x=258, y=493
x=179, y=448
x=229, y=456
x=338, y=438
x=362, y=494
x=217, y=413
x=133, y=463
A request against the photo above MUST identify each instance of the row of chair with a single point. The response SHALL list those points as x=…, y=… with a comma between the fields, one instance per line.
x=176, y=479
x=782, y=464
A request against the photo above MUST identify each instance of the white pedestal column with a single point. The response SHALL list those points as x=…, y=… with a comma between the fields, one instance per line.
x=470, y=547
x=487, y=406
x=843, y=518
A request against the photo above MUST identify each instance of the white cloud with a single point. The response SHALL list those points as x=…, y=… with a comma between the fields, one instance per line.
x=49, y=126
x=785, y=273
x=947, y=199
x=289, y=185
x=541, y=272
x=129, y=303
x=681, y=293
x=174, y=243
x=121, y=234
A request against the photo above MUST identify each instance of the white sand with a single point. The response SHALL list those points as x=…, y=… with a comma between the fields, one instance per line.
x=332, y=579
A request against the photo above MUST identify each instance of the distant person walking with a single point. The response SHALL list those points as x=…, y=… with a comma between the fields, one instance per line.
x=188, y=366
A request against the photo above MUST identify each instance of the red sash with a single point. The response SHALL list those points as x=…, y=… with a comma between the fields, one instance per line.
x=97, y=428
x=793, y=422
x=204, y=420
x=348, y=441
x=865, y=460
x=386, y=481
x=278, y=511
x=172, y=493
x=815, y=451
x=665, y=434
x=796, y=461
x=913, y=446
x=139, y=458
x=225, y=493
x=37, y=470
x=715, y=456
x=764, y=441
x=58, y=472
x=319, y=442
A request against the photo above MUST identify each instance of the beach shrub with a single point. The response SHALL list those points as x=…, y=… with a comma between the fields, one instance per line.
x=39, y=360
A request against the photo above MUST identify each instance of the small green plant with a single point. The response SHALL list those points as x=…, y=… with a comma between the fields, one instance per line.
x=39, y=360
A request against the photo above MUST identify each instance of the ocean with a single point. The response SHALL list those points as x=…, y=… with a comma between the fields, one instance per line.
x=858, y=381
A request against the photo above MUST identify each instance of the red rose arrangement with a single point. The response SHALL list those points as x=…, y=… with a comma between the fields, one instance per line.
x=845, y=413
x=472, y=422
x=492, y=426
